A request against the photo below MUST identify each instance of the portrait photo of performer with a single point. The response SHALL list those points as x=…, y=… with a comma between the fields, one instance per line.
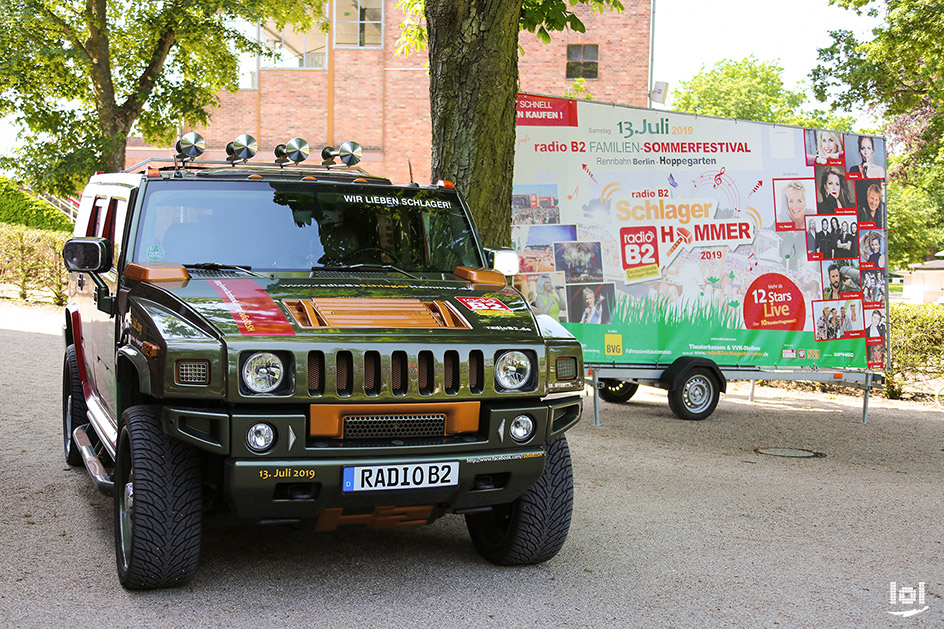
x=834, y=192
x=871, y=153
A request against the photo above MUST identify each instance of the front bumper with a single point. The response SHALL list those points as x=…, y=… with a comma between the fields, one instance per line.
x=301, y=476
x=302, y=489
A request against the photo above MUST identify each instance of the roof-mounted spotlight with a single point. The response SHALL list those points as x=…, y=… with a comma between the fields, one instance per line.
x=190, y=146
x=295, y=150
x=350, y=153
x=242, y=148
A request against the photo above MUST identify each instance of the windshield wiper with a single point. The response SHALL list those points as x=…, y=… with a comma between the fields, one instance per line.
x=364, y=267
x=216, y=266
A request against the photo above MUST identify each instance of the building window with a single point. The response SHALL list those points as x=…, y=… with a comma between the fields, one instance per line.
x=358, y=23
x=295, y=49
x=582, y=61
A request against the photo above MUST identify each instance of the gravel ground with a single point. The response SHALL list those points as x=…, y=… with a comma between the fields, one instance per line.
x=676, y=524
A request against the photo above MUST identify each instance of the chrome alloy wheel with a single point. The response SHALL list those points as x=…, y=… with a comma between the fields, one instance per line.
x=125, y=517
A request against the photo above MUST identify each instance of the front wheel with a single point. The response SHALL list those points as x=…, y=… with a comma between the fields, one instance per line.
x=617, y=391
x=73, y=405
x=157, y=504
x=534, y=527
x=695, y=396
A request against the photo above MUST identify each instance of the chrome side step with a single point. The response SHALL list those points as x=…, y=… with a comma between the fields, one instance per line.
x=96, y=470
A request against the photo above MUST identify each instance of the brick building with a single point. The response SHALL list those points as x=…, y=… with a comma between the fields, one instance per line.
x=351, y=85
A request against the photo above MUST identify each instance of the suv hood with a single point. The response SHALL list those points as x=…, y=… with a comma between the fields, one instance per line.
x=243, y=306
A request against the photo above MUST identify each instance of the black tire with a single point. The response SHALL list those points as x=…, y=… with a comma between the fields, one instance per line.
x=695, y=396
x=74, y=410
x=534, y=527
x=617, y=391
x=157, y=504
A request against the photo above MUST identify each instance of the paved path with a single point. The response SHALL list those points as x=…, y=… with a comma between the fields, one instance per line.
x=676, y=524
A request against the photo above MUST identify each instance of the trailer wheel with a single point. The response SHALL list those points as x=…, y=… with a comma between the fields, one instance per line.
x=617, y=391
x=695, y=396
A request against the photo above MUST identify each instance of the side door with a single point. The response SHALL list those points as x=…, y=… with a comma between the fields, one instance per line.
x=90, y=222
x=100, y=327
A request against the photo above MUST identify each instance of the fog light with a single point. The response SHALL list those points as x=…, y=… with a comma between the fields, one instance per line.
x=260, y=437
x=522, y=428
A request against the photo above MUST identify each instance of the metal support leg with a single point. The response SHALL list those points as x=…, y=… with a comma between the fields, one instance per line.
x=751, y=398
x=596, y=399
x=865, y=401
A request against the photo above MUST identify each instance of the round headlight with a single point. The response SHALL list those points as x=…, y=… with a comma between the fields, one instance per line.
x=512, y=370
x=262, y=372
x=260, y=437
x=522, y=427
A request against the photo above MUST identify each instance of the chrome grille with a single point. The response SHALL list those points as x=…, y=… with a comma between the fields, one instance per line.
x=476, y=371
x=345, y=373
x=394, y=426
x=451, y=372
x=426, y=372
x=399, y=373
x=374, y=373
x=316, y=369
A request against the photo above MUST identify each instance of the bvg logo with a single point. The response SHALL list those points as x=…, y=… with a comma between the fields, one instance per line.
x=910, y=596
x=613, y=344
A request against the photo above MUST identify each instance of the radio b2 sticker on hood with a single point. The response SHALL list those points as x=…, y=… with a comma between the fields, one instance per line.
x=485, y=305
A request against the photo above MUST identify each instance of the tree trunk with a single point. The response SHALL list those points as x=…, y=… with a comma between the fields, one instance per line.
x=473, y=52
x=114, y=153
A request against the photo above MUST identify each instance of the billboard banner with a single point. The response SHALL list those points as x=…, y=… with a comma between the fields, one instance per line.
x=653, y=235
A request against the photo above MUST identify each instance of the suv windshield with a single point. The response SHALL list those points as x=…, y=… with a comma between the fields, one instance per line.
x=277, y=225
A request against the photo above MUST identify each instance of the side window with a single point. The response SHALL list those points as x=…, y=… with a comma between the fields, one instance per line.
x=97, y=217
x=108, y=221
x=118, y=208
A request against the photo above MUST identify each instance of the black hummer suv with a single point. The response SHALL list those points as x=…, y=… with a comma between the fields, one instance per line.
x=308, y=345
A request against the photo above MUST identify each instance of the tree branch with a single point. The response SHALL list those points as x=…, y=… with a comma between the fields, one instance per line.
x=67, y=30
x=148, y=78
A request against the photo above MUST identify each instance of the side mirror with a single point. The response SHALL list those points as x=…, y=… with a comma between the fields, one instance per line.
x=505, y=261
x=87, y=255
x=92, y=256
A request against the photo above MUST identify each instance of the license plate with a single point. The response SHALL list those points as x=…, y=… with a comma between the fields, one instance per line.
x=403, y=476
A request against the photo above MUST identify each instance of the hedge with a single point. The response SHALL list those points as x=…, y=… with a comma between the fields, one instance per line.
x=916, y=334
x=31, y=259
x=19, y=208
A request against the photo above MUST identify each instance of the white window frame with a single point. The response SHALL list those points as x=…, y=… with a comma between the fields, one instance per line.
x=358, y=21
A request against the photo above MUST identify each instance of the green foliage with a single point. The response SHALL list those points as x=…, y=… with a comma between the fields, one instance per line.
x=79, y=76
x=916, y=334
x=578, y=89
x=31, y=260
x=18, y=207
x=541, y=17
x=750, y=89
x=897, y=72
x=914, y=228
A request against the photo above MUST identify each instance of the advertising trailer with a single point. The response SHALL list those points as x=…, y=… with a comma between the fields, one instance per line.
x=684, y=251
